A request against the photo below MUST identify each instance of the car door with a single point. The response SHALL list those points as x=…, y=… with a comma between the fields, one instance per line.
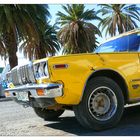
x=134, y=46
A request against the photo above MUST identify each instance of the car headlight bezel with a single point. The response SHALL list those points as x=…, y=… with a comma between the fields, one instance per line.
x=46, y=70
x=41, y=70
x=35, y=68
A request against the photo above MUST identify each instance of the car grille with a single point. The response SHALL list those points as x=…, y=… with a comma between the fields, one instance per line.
x=14, y=76
x=22, y=75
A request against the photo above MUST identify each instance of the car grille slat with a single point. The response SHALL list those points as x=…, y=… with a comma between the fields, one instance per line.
x=22, y=75
x=27, y=74
x=15, y=77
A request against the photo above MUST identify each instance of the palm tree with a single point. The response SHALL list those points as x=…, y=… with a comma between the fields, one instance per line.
x=20, y=22
x=3, y=52
x=48, y=44
x=119, y=18
x=77, y=35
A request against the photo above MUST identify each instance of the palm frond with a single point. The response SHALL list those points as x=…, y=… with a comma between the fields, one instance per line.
x=119, y=17
x=77, y=35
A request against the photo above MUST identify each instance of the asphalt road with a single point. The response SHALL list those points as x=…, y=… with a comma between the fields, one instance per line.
x=18, y=121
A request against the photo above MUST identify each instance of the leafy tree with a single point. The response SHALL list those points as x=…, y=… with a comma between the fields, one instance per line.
x=3, y=52
x=119, y=18
x=48, y=44
x=77, y=35
x=20, y=22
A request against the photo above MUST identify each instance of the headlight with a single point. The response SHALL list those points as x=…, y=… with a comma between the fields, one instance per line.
x=41, y=70
x=46, y=73
x=36, y=68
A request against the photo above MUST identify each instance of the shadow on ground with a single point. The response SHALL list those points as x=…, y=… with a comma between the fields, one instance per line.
x=128, y=126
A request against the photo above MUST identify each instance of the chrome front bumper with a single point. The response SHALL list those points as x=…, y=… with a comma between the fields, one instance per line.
x=51, y=90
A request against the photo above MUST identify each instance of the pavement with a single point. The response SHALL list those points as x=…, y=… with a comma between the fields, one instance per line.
x=5, y=99
x=19, y=121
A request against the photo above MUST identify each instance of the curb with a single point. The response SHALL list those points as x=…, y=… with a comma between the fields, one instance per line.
x=5, y=99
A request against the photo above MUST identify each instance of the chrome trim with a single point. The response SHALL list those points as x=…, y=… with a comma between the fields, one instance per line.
x=135, y=100
x=134, y=80
x=23, y=74
x=8, y=77
x=36, y=67
x=51, y=90
x=14, y=75
x=40, y=61
x=31, y=73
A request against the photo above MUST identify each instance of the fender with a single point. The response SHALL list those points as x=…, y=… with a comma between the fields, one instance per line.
x=106, y=69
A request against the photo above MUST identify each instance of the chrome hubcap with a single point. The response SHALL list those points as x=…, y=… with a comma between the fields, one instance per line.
x=102, y=103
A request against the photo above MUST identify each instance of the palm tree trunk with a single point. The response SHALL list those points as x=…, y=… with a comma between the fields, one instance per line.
x=120, y=24
x=13, y=61
x=11, y=45
x=41, y=52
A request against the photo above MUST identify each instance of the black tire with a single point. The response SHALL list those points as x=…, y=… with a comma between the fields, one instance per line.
x=48, y=115
x=85, y=111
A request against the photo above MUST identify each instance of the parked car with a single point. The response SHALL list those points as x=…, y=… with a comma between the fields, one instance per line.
x=3, y=86
x=3, y=81
x=95, y=86
x=1, y=91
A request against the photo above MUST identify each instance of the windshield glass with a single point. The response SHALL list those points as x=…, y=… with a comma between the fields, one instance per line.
x=126, y=43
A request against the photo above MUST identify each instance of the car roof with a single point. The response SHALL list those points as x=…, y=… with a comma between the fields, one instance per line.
x=137, y=30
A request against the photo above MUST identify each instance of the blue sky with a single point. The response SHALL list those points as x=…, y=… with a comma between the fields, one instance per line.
x=54, y=8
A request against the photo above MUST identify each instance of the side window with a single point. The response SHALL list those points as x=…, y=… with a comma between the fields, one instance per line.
x=122, y=44
x=139, y=48
x=129, y=43
x=117, y=45
x=134, y=42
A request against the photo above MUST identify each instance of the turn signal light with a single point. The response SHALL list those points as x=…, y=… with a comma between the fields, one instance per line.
x=40, y=92
x=7, y=94
x=60, y=66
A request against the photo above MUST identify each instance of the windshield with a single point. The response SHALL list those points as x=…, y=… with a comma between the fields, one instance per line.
x=126, y=43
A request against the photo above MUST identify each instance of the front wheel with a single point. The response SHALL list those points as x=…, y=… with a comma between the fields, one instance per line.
x=102, y=104
x=48, y=115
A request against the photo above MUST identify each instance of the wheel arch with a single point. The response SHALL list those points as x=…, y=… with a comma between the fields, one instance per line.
x=114, y=75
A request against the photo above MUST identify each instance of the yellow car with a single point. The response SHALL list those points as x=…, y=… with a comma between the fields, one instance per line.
x=95, y=86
